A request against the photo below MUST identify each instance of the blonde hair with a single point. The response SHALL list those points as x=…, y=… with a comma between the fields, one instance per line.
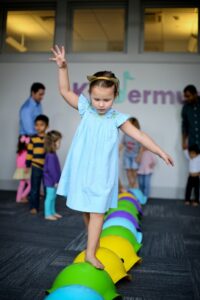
x=50, y=140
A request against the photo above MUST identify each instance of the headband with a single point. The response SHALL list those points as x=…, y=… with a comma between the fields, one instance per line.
x=94, y=78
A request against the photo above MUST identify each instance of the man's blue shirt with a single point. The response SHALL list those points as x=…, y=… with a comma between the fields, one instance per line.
x=28, y=112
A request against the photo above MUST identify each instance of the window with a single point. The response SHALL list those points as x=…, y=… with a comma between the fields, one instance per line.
x=98, y=30
x=171, y=30
x=29, y=31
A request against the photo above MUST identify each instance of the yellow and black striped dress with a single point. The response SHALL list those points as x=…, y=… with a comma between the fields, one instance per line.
x=35, y=152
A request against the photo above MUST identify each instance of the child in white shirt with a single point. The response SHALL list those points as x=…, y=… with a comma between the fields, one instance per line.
x=193, y=182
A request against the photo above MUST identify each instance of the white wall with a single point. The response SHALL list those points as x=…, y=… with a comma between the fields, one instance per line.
x=161, y=121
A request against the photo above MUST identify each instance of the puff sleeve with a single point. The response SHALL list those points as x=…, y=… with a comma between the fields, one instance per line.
x=83, y=105
x=121, y=118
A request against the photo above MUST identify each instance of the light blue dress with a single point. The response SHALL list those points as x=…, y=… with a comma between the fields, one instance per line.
x=89, y=178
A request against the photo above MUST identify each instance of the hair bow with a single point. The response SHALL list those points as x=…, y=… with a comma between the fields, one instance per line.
x=25, y=139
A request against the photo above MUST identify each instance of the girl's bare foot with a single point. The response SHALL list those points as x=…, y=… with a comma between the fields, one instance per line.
x=51, y=218
x=94, y=261
x=58, y=216
x=122, y=190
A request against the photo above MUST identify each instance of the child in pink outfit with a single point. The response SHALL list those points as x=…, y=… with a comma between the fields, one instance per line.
x=20, y=173
x=147, y=163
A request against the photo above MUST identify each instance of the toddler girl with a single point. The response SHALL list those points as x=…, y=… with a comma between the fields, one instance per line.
x=89, y=179
x=21, y=173
x=51, y=173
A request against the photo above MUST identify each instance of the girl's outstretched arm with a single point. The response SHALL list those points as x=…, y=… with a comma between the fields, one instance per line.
x=64, y=85
x=146, y=141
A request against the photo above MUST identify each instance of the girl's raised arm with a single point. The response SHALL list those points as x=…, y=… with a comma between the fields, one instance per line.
x=146, y=141
x=64, y=85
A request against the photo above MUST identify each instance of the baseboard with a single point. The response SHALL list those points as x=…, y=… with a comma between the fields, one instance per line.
x=9, y=185
x=156, y=192
x=167, y=193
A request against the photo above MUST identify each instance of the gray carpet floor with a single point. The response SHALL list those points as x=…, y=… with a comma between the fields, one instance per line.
x=33, y=251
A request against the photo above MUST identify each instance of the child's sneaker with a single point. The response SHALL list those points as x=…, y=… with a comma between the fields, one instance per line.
x=33, y=211
x=187, y=202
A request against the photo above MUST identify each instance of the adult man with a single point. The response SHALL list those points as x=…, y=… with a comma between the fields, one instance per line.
x=191, y=118
x=31, y=109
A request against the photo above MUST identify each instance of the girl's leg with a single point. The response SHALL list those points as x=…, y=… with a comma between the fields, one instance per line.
x=53, y=206
x=48, y=204
x=94, y=231
x=132, y=178
x=20, y=190
x=86, y=219
x=135, y=182
x=27, y=189
x=121, y=187
x=53, y=201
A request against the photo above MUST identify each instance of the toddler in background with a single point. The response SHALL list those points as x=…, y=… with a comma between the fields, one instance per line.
x=193, y=182
x=131, y=149
x=147, y=162
x=51, y=173
x=35, y=161
x=20, y=174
